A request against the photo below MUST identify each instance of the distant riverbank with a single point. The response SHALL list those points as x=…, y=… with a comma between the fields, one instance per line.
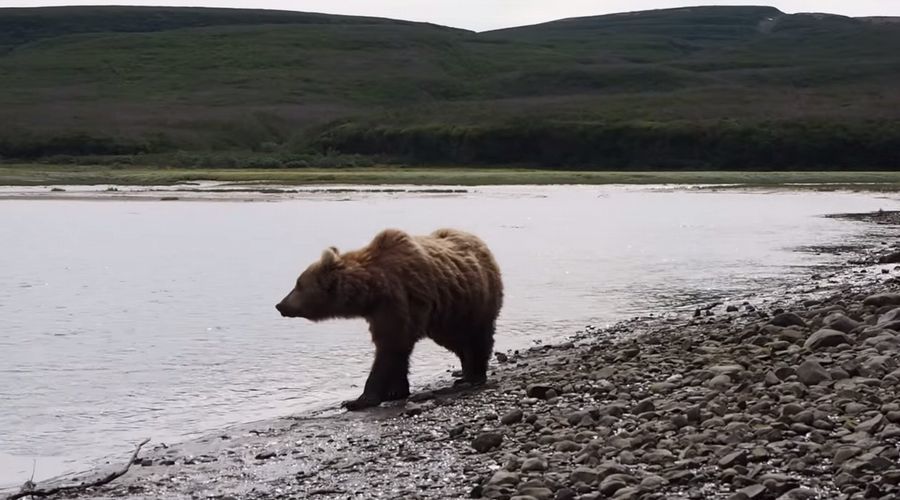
x=61, y=175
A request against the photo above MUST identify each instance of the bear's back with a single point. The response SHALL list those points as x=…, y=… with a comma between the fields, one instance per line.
x=449, y=268
x=468, y=267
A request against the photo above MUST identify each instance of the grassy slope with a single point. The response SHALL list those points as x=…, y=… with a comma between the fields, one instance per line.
x=19, y=26
x=42, y=175
x=218, y=79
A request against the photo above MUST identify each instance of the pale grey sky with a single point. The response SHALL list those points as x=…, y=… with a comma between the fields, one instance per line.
x=491, y=14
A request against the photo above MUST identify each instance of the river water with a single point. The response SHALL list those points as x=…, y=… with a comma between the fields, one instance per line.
x=125, y=319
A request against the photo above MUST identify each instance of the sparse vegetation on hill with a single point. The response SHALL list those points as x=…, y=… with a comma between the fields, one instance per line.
x=710, y=87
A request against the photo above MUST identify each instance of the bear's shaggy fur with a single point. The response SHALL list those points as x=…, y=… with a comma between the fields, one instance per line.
x=446, y=286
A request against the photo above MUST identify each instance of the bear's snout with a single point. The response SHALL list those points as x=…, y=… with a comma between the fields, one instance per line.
x=288, y=308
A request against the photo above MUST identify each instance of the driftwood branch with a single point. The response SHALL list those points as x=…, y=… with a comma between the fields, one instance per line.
x=29, y=489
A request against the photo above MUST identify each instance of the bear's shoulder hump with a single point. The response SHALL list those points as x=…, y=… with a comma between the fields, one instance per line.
x=388, y=238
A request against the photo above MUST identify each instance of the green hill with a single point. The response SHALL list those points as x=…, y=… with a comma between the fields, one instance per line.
x=709, y=87
x=23, y=25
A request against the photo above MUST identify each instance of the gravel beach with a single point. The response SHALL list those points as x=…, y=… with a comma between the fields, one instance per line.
x=792, y=395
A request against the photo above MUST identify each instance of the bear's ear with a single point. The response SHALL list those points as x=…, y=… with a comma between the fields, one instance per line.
x=330, y=256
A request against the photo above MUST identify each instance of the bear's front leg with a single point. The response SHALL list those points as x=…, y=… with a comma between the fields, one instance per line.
x=387, y=380
x=398, y=385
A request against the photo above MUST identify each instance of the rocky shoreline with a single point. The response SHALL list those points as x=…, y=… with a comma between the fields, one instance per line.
x=793, y=396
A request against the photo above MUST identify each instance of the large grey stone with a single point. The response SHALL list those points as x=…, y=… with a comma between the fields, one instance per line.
x=734, y=458
x=720, y=383
x=787, y=319
x=534, y=464
x=841, y=323
x=891, y=258
x=584, y=475
x=889, y=317
x=871, y=425
x=513, y=417
x=487, y=441
x=502, y=477
x=810, y=372
x=537, y=492
x=539, y=391
x=826, y=338
x=882, y=299
x=753, y=491
x=615, y=482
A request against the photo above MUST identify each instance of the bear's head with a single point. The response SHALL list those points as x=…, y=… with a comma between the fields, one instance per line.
x=329, y=288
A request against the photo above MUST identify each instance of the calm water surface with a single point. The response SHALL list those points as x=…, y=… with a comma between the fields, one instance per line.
x=125, y=319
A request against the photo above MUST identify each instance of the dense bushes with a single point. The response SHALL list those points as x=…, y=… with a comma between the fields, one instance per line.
x=635, y=145
x=29, y=146
x=725, y=145
x=215, y=160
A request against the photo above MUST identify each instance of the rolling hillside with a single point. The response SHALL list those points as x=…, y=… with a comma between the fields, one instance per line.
x=712, y=87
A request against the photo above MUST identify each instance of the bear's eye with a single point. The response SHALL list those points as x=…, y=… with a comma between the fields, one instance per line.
x=329, y=284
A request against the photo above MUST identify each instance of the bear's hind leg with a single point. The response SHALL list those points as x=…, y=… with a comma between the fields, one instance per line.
x=476, y=354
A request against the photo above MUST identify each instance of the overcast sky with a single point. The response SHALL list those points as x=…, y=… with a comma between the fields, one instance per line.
x=490, y=14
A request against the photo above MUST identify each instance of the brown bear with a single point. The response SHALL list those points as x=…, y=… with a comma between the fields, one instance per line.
x=446, y=286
